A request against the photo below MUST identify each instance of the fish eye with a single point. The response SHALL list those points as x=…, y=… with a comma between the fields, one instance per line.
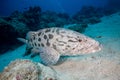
x=79, y=40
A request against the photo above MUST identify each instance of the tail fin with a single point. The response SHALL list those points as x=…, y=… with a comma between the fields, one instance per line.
x=22, y=40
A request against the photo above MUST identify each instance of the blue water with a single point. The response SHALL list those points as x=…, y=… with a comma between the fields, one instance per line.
x=68, y=6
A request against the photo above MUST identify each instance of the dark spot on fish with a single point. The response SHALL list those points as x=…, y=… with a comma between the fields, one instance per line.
x=78, y=37
x=50, y=79
x=70, y=37
x=50, y=36
x=47, y=30
x=39, y=33
x=48, y=44
x=71, y=41
x=39, y=39
x=93, y=57
x=32, y=44
x=82, y=49
x=61, y=44
x=45, y=37
x=54, y=46
x=33, y=37
x=61, y=41
x=79, y=40
x=30, y=40
x=42, y=44
x=35, y=44
x=67, y=46
x=42, y=33
x=39, y=45
x=73, y=48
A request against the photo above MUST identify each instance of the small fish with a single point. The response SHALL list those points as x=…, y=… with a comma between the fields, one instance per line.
x=51, y=43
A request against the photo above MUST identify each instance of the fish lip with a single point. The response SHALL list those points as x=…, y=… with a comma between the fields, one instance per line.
x=97, y=48
x=101, y=46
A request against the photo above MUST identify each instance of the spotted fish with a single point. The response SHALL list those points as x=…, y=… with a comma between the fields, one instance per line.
x=51, y=43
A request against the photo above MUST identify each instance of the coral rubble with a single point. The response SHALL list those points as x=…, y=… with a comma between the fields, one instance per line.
x=20, y=70
x=27, y=70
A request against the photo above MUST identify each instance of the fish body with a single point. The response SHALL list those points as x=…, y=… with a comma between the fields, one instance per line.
x=51, y=43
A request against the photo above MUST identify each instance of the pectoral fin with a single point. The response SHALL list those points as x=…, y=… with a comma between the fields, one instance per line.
x=49, y=56
x=35, y=52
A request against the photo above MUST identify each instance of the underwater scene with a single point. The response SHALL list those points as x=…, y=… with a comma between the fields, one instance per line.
x=60, y=40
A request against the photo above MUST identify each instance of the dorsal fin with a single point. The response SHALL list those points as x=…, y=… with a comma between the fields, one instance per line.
x=22, y=40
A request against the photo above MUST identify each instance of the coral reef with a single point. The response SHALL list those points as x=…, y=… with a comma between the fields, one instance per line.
x=20, y=27
x=30, y=17
x=35, y=19
x=88, y=14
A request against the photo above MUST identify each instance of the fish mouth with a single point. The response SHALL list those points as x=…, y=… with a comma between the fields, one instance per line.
x=96, y=48
x=93, y=48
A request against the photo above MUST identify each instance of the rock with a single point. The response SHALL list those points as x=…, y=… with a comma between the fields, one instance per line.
x=27, y=70
x=47, y=73
x=20, y=70
x=90, y=68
